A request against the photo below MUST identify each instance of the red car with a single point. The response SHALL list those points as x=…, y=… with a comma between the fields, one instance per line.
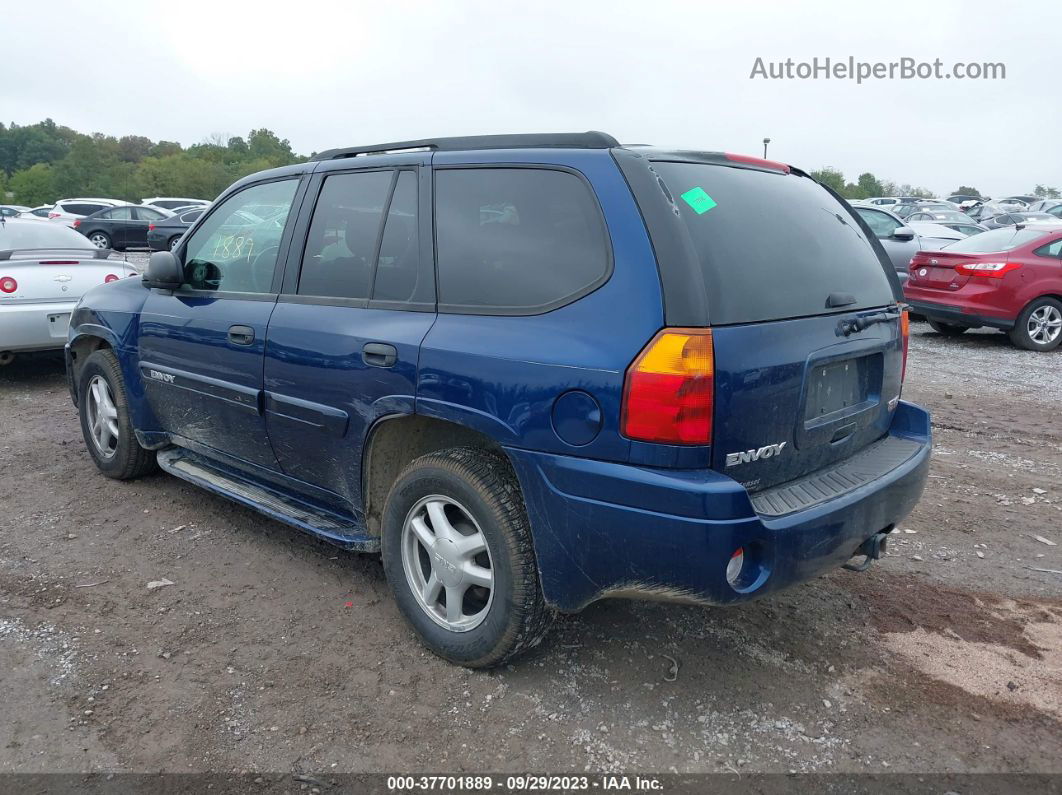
x=1008, y=278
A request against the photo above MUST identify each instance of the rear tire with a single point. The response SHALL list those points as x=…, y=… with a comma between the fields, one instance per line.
x=948, y=329
x=173, y=242
x=444, y=503
x=105, y=422
x=1039, y=326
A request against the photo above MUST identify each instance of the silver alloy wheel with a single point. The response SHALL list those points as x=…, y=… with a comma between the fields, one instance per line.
x=174, y=242
x=447, y=563
x=102, y=416
x=1045, y=324
x=99, y=240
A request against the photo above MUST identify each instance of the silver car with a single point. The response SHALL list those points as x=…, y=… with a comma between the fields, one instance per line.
x=44, y=271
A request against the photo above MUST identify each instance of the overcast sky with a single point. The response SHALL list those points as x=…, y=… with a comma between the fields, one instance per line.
x=326, y=74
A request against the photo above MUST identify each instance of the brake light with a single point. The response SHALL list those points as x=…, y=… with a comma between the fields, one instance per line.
x=151, y=227
x=8, y=285
x=110, y=277
x=58, y=262
x=77, y=223
x=905, y=333
x=668, y=389
x=759, y=162
x=990, y=270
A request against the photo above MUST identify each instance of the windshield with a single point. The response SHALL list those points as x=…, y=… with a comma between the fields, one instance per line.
x=35, y=234
x=995, y=240
x=773, y=245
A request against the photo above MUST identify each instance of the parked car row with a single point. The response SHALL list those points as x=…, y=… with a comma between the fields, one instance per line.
x=115, y=224
x=1003, y=271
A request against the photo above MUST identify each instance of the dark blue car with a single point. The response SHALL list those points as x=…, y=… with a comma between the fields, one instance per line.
x=532, y=370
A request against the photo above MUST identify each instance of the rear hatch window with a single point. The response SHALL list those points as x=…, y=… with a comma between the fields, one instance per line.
x=771, y=245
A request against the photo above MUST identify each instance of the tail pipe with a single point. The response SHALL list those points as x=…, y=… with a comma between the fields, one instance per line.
x=872, y=549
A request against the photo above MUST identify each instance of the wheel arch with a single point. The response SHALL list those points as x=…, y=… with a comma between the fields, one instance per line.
x=79, y=349
x=396, y=440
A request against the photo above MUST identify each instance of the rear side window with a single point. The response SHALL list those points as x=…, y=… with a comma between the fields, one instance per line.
x=772, y=245
x=341, y=245
x=120, y=214
x=399, y=262
x=516, y=240
x=81, y=208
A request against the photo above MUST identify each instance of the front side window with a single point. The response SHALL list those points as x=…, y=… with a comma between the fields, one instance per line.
x=880, y=224
x=236, y=249
x=516, y=240
x=341, y=244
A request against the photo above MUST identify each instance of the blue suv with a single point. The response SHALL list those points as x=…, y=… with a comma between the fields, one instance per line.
x=532, y=371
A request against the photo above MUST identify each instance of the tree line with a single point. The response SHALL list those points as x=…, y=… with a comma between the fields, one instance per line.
x=44, y=162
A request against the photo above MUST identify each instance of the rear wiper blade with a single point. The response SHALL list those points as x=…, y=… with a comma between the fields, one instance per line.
x=849, y=327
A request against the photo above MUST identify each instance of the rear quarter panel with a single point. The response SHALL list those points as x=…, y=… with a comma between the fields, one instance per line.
x=501, y=374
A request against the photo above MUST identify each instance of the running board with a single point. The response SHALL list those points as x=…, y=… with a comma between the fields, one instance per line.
x=343, y=531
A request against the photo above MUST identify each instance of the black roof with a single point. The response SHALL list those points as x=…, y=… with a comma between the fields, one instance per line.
x=584, y=140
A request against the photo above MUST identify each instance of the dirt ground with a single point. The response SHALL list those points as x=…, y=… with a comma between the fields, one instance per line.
x=274, y=652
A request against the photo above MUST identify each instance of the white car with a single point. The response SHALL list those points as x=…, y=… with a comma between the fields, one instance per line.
x=12, y=210
x=66, y=211
x=37, y=213
x=44, y=271
x=173, y=203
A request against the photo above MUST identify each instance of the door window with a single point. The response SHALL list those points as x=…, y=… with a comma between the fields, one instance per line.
x=399, y=261
x=344, y=232
x=148, y=214
x=120, y=214
x=236, y=249
x=880, y=224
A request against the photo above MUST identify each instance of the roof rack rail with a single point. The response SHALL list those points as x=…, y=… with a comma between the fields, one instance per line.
x=585, y=140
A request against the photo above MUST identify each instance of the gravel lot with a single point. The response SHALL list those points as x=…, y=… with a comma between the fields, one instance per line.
x=274, y=652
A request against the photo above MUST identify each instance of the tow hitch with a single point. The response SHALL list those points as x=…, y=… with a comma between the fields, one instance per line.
x=873, y=547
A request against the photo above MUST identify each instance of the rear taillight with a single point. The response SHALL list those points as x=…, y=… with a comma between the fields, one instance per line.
x=668, y=389
x=905, y=333
x=110, y=277
x=54, y=215
x=77, y=223
x=990, y=270
x=8, y=285
x=151, y=227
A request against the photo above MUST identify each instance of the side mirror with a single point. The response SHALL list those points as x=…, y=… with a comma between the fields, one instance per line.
x=899, y=233
x=164, y=271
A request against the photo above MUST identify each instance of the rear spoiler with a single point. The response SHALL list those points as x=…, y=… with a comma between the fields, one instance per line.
x=97, y=253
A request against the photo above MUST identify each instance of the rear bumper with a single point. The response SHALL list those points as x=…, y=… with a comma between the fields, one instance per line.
x=605, y=529
x=34, y=326
x=958, y=315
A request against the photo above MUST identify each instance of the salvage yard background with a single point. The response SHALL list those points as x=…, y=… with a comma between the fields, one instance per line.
x=273, y=652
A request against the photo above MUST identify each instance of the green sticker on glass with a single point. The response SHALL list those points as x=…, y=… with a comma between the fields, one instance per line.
x=700, y=201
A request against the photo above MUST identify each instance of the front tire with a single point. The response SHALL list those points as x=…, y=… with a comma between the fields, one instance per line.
x=948, y=329
x=1039, y=326
x=105, y=422
x=459, y=558
x=100, y=239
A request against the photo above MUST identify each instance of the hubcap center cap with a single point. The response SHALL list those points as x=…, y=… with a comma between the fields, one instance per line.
x=444, y=561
